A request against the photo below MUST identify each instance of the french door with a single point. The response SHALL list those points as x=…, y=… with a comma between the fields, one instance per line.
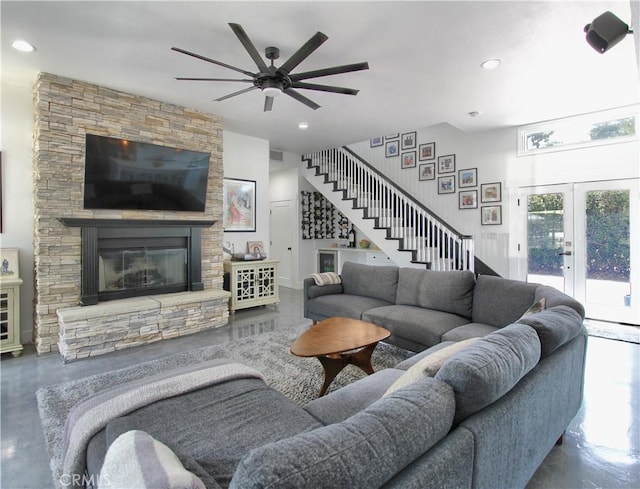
x=584, y=239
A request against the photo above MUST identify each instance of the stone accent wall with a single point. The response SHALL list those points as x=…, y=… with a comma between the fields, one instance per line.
x=65, y=110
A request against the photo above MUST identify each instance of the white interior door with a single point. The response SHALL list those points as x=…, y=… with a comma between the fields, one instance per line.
x=283, y=224
x=584, y=239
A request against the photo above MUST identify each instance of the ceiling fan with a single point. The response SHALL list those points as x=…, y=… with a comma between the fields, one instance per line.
x=274, y=81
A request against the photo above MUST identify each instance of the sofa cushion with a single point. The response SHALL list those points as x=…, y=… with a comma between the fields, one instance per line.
x=320, y=290
x=367, y=281
x=499, y=301
x=362, y=452
x=428, y=366
x=483, y=372
x=342, y=305
x=553, y=297
x=443, y=291
x=469, y=330
x=136, y=459
x=424, y=326
x=555, y=327
x=352, y=398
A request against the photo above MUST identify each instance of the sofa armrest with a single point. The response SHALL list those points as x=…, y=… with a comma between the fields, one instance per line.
x=311, y=291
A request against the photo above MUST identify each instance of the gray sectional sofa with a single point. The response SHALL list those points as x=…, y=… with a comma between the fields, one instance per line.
x=422, y=308
x=482, y=413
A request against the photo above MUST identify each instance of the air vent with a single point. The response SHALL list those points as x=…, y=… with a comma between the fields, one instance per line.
x=276, y=155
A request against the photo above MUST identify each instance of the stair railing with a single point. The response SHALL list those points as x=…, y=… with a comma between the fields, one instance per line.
x=418, y=230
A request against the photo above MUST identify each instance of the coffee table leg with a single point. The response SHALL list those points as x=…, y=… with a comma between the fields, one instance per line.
x=333, y=365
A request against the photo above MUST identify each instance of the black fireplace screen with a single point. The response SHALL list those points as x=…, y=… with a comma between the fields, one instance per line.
x=141, y=269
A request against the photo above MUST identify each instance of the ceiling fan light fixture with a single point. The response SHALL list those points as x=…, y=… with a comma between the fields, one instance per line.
x=272, y=91
x=490, y=64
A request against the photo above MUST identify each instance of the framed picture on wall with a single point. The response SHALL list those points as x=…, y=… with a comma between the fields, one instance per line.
x=239, y=205
x=491, y=192
x=379, y=141
x=491, y=215
x=468, y=177
x=409, y=160
x=427, y=151
x=447, y=164
x=9, y=264
x=468, y=199
x=409, y=140
x=427, y=171
x=391, y=149
x=447, y=185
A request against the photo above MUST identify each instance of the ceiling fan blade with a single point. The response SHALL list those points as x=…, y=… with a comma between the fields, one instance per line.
x=219, y=63
x=249, y=46
x=301, y=54
x=301, y=98
x=268, y=104
x=336, y=70
x=235, y=93
x=212, y=79
x=325, y=88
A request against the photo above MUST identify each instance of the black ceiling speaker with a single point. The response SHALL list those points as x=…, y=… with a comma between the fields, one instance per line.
x=606, y=31
x=274, y=81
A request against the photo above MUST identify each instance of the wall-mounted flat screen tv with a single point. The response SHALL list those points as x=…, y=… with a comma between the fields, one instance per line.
x=124, y=174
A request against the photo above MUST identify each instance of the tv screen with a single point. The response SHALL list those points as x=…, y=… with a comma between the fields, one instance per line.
x=124, y=174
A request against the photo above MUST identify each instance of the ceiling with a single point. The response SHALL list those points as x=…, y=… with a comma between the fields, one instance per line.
x=424, y=59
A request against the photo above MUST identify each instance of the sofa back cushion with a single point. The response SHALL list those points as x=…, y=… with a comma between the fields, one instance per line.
x=555, y=327
x=483, y=372
x=443, y=291
x=363, y=451
x=499, y=301
x=370, y=281
x=553, y=297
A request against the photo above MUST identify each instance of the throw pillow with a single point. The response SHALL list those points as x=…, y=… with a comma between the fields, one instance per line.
x=429, y=365
x=137, y=460
x=326, y=278
x=535, y=308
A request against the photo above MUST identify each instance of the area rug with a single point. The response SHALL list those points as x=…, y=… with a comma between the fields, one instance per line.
x=298, y=378
x=613, y=331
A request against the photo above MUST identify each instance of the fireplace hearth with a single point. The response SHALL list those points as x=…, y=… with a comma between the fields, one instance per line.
x=132, y=258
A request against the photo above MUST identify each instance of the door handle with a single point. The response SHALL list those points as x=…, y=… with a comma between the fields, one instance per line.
x=565, y=253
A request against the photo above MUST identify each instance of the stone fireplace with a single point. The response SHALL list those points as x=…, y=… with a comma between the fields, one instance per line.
x=133, y=287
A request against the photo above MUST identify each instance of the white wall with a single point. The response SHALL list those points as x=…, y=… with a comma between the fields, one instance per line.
x=494, y=154
x=17, y=190
x=247, y=158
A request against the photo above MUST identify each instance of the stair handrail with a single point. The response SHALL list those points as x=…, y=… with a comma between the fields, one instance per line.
x=429, y=232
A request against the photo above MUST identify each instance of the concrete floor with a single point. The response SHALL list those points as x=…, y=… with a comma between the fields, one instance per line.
x=601, y=448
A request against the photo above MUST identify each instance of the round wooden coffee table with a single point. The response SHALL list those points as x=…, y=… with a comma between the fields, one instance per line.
x=338, y=342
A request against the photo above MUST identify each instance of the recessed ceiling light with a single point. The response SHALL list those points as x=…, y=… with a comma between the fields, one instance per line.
x=303, y=125
x=23, y=46
x=490, y=64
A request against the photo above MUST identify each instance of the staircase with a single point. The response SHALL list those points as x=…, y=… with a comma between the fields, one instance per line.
x=398, y=224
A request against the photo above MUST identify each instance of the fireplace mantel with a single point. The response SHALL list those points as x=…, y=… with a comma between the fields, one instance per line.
x=93, y=230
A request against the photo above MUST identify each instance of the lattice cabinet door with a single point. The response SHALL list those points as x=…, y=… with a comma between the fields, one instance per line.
x=10, y=317
x=252, y=283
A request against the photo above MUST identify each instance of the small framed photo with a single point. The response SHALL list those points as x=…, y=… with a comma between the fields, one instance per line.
x=10, y=265
x=427, y=151
x=491, y=192
x=255, y=248
x=468, y=177
x=409, y=140
x=427, y=171
x=239, y=205
x=409, y=160
x=392, y=136
x=379, y=141
x=468, y=199
x=391, y=149
x=491, y=215
x=447, y=164
x=447, y=185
